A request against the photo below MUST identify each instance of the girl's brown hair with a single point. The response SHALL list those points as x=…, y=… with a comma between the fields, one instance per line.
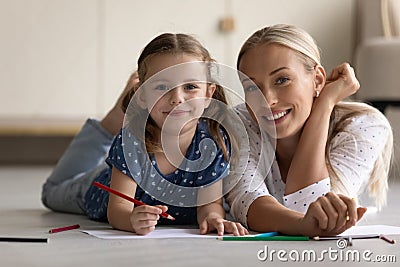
x=170, y=43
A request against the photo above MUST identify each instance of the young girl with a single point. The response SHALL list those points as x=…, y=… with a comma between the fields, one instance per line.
x=173, y=92
x=327, y=150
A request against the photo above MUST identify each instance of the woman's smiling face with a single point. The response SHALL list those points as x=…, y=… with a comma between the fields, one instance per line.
x=288, y=88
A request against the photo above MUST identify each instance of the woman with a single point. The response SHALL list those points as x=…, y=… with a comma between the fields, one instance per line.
x=327, y=150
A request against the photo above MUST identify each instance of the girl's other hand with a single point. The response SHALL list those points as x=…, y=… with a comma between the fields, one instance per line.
x=144, y=218
x=330, y=215
x=222, y=226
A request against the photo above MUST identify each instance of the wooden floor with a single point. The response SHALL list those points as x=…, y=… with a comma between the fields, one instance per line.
x=22, y=214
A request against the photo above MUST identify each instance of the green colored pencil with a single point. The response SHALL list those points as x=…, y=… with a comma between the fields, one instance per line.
x=265, y=238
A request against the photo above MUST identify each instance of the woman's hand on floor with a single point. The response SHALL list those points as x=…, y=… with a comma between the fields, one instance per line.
x=330, y=215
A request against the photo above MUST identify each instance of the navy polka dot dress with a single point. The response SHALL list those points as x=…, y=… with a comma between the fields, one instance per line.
x=204, y=164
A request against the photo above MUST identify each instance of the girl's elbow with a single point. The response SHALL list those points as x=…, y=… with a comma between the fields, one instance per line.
x=112, y=218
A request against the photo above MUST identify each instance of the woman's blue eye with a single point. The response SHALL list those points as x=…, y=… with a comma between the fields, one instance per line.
x=281, y=80
x=162, y=87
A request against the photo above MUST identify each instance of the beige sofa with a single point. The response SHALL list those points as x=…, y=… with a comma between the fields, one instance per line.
x=377, y=60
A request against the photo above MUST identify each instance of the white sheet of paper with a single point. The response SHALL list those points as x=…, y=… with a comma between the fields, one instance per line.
x=372, y=230
x=159, y=232
x=175, y=232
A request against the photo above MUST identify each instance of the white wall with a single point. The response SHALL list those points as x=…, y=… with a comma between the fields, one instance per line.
x=70, y=58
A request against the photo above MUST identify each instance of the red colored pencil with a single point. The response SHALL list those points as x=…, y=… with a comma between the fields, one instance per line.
x=134, y=201
x=387, y=239
x=65, y=228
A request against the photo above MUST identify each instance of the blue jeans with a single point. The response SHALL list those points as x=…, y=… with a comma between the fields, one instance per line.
x=65, y=189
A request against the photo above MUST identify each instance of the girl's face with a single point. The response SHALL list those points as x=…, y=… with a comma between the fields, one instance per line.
x=288, y=88
x=175, y=94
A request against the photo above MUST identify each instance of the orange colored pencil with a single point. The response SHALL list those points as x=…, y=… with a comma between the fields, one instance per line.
x=134, y=201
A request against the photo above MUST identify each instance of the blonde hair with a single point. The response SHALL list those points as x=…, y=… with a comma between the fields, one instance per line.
x=179, y=43
x=302, y=42
x=341, y=116
x=286, y=35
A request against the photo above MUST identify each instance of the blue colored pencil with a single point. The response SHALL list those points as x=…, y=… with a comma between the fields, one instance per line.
x=267, y=234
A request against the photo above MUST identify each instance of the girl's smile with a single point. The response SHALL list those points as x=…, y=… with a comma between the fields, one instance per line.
x=175, y=89
x=177, y=112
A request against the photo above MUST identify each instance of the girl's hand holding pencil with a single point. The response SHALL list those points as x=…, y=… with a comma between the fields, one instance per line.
x=144, y=218
x=130, y=199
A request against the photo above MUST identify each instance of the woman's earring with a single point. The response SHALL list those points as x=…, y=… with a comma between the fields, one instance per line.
x=317, y=93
